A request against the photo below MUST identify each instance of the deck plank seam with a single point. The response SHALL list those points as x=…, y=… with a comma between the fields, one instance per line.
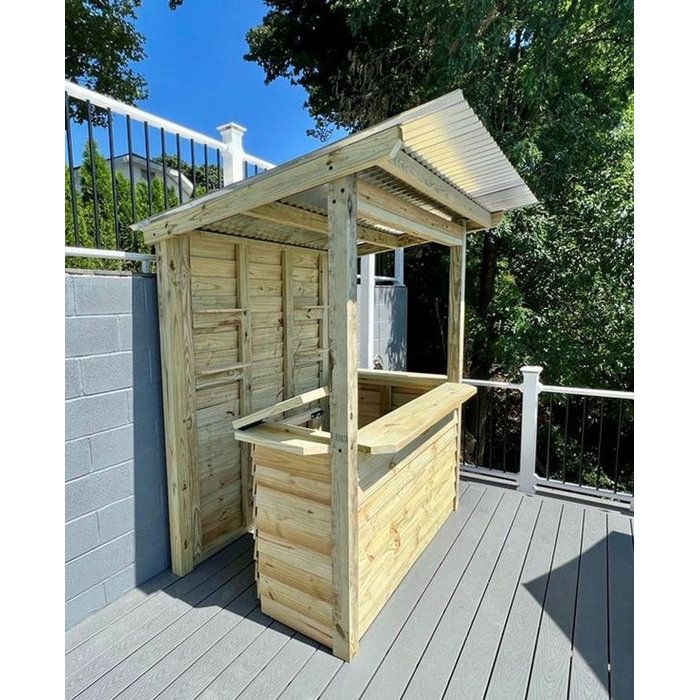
x=442, y=613
x=483, y=593
x=467, y=485
x=573, y=626
x=607, y=599
x=512, y=599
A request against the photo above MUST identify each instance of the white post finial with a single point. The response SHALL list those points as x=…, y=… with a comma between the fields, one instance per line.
x=234, y=155
x=530, y=388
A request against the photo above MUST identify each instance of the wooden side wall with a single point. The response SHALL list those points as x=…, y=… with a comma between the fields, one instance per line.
x=403, y=501
x=293, y=540
x=254, y=309
x=377, y=398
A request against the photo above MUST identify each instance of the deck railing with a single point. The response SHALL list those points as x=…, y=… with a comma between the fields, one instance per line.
x=124, y=164
x=551, y=438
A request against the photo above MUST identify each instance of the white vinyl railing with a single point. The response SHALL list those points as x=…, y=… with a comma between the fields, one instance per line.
x=230, y=145
x=526, y=476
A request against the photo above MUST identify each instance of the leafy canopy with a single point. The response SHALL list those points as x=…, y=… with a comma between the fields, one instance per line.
x=553, y=82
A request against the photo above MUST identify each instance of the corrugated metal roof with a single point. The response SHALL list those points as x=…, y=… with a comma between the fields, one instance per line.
x=446, y=136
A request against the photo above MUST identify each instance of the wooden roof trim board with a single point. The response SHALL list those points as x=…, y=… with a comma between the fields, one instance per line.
x=316, y=168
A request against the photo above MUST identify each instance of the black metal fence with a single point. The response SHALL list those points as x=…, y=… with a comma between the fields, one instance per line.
x=491, y=423
x=119, y=171
x=586, y=441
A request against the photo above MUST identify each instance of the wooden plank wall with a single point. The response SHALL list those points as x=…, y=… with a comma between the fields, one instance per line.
x=240, y=296
x=378, y=399
x=293, y=540
x=403, y=501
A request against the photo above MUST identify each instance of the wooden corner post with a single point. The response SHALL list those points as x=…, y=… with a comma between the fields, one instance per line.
x=179, y=410
x=455, y=339
x=342, y=292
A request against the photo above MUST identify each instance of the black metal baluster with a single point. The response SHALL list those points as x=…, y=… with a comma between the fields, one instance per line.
x=194, y=171
x=112, y=168
x=490, y=432
x=566, y=441
x=91, y=147
x=163, y=168
x=505, y=428
x=71, y=174
x=600, y=445
x=149, y=189
x=583, y=435
x=219, y=183
x=179, y=168
x=132, y=185
x=206, y=169
x=477, y=431
x=617, y=446
x=549, y=437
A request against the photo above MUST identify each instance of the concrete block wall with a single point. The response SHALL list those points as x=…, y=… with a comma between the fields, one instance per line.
x=116, y=507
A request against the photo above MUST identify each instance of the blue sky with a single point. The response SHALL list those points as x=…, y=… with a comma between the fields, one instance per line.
x=197, y=77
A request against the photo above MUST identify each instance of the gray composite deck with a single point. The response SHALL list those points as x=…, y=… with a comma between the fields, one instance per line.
x=517, y=596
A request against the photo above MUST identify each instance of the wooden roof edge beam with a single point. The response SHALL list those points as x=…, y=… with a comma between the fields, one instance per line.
x=297, y=175
x=402, y=241
x=473, y=227
x=375, y=204
x=409, y=170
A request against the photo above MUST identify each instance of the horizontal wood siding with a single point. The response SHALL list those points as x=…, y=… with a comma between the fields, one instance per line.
x=404, y=499
x=293, y=540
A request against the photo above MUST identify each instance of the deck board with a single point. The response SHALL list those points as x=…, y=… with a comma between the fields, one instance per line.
x=621, y=601
x=513, y=598
x=589, y=661
x=511, y=669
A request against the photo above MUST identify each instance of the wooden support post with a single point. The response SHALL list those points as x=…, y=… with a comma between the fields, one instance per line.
x=179, y=408
x=288, y=322
x=323, y=342
x=245, y=394
x=455, y=340
x=342, y=275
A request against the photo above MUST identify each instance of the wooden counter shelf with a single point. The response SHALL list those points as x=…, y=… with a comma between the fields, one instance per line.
x=405, y=482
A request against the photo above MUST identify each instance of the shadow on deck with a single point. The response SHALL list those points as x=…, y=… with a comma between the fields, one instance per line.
x=517, y=596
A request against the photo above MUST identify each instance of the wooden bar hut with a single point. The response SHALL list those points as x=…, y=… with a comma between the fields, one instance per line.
x=343, y=475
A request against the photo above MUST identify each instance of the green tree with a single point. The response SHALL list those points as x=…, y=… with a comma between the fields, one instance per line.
x=102, y=44
x=553, y=82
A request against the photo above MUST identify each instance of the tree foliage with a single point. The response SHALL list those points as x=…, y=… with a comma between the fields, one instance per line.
x=553, y=82
x=101, y=43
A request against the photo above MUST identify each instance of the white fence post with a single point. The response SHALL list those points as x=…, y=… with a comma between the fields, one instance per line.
x=233, y=158
x=528, y=429
x=366, y=314
x=398, y=265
